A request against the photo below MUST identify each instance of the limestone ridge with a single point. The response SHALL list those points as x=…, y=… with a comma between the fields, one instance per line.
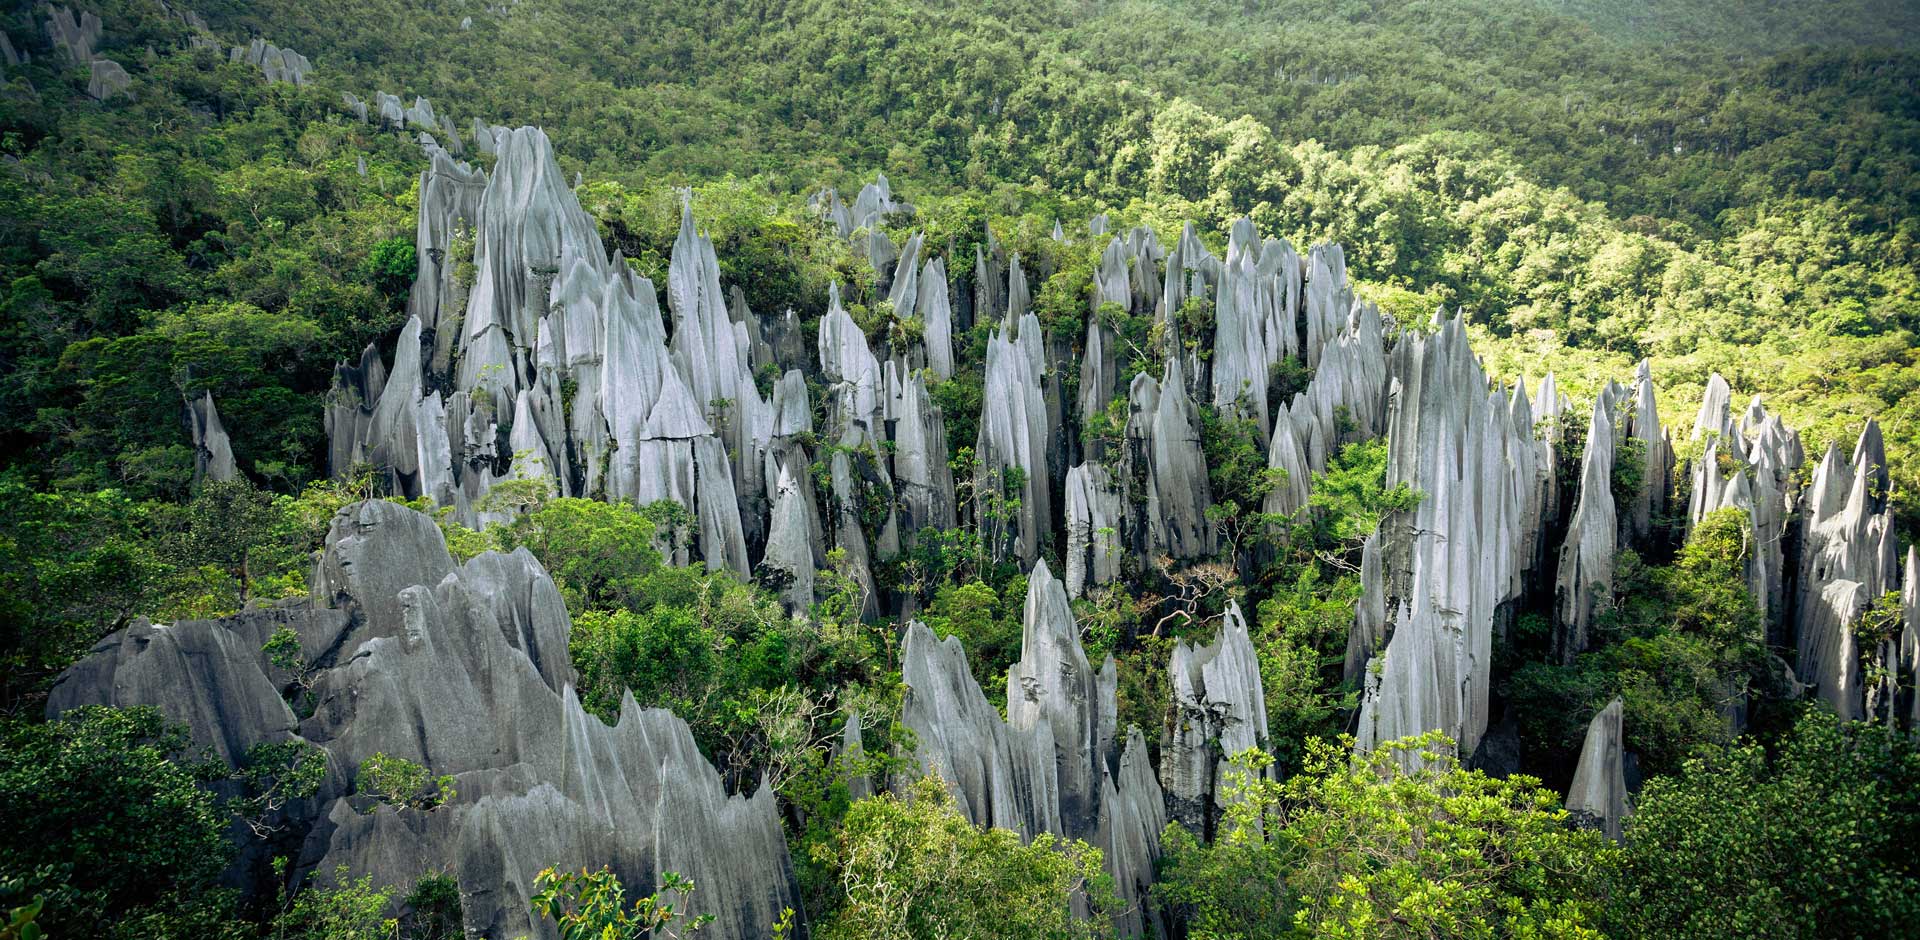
x=530, y=355
x=464, y=669
x=1453, y=560
x=1583, y=589
x=1748, y=466
x=1052, y=765
x=75, y=36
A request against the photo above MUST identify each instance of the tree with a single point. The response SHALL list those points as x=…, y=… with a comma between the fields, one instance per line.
x=407, y=784
x=104, y=820
x=913, y=866
x=599, y=553
x=591, y=905
x=73, y=568
x=1398, y=842
x=1813, y=838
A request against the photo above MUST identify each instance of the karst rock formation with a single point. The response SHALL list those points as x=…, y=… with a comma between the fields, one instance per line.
x=532, y=355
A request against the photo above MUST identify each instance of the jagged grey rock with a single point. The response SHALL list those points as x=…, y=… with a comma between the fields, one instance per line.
x=1050, y=766
x=1369, y=630
x=1453, y=560
x=464, y=669
x=1583, y=588
x=1096, y=514
x=1220, y=709
x=73, y=36
x=1014, y=435
x=1598, y=795
x=935, y=306
x=1177, y=497
x=107, y=80
x=212, y=449
x=1847, y=561
x=1643, y=425
x=537, y=312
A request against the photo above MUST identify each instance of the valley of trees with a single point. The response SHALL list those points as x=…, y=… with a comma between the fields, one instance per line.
x=1591, y=182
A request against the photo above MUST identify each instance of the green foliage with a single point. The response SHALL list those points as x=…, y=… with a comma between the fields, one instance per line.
x=599, y=553
x=1349, y=499
x=988, y=623
x=73, y=567
x=399, y=782
x=273, y=774
x=1399, y=842
x=591, y=905
x=21, y=922
x=106, y=822
x=1682, y=646
x=1303, y=629
x=349, y=910
x=913, y=866
x=1811, y=839
x=434, y=909
x=391, y=265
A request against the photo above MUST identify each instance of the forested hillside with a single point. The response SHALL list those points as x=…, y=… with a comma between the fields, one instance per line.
x=1206, y=339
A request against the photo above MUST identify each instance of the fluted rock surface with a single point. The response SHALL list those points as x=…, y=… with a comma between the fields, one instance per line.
x=1848, y=560
x=72, y=35
x=1163, y=431
x=515, y=307
x=1583, y=589
x=1750, y=466
x=106, y=79
x=1050, y=766
x=1598, y=795
x=1220, y=709
x=464, y=669
x=1454, y=559
x=1010, y=483
x=212, y=448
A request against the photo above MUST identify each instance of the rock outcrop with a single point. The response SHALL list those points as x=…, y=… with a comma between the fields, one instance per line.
x=1848, y=560
x=1598, y=796
x=516, y=307
x=1220, y=709
x=1452, y=561
x=1050, y=766
x=106, y=79
x=212, y=449
x=463, y=669
x=1583, y=589
x=277, y=64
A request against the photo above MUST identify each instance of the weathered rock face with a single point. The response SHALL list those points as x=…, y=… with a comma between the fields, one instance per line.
x=107, y=79
x=1598, y=796
x=1050, y=767
x=277, y=64
x=1583, y=589
x=1848, y=560
x=534, y=310
x=1163, y=447
x=1642, y=424
x=212, y=449
x=1906, y=704
x=1452, y=561
x=73, y=36
x=1097, y=518
x=1011, y=495
x=1749, y=466
x=1220, y=709
x=464, y=669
